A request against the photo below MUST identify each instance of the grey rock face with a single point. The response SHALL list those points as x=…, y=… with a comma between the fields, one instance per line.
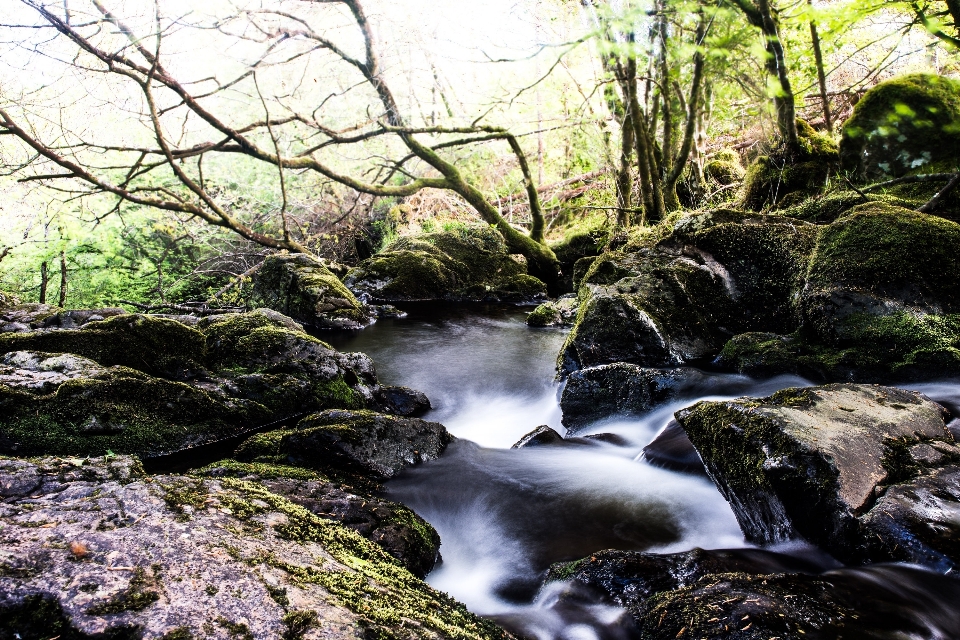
x=812, y=463
x=542, y=435
x=95, y=549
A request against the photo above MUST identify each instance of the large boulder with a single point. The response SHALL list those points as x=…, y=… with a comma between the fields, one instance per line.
x=92, y=549
x=302, y=287
x=377, y=445
x=466, y=264
x=812, y=463
x=710, y=276
x=751, y=594
x=902, y=125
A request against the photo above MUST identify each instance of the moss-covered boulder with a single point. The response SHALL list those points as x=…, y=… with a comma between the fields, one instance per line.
x=709, y=276
x=377, y=445
x=157, y=346
x=578, y=245
x=15, y=318
x=470, y=263
x=397, y=530
x=93, y=549
x=302, y=287
x=62, y=404
x=901, y=125
x=811, y=463
x=786, y=177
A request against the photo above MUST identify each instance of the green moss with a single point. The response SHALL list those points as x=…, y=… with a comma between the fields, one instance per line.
x=223, y=335
x=236, y=629
x=157, y=346
x=564, y=570
x=793, y=397
x=298, y=623
x=897, y=461
x=544, y=315
x=901, y=125
x=301, y=287
x=888, y=251
x=279, y=595
x=139, y=594
x=262, y=447
x=185, y=496
x=262, y=471
x=179, y=633
x=724, y=167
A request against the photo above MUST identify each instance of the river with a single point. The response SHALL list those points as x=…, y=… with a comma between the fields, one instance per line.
x=504, y=515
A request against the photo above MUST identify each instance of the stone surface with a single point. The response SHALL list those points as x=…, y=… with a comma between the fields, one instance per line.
x=751, y=594
x=466, y=264
x=555, y=313
x=94, y=549
x=397, y=530
x=542, y=435
x=377, y=445
x=811, y=462
x=621, y=389
x=300, y=286
x=672, y=449
x=402, y=401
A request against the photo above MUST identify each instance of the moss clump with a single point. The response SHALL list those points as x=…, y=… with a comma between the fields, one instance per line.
x=901, y=125
x=258, y=470
x=544, y=315
x=224, y=334
x=123, y=411
x=139, y=594
x=298, y=623
x=236, y=629
x=262, y=448
x=891, y=251
x=180, y=633
x=785, y=177
x=157, y=346
x=724, y=168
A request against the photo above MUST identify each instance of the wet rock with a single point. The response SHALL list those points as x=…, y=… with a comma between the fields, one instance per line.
x=902, y=124
x=811, y=462
x=18, y=318
x=672, y=449
x=397, y=530
x=78, y=317
x=559, y=313
x=757, y=594
x=467, y=264
x=42, y=373
x=97, y=550
x=542, y=435
x=623, y=389
x=300, y=286
x=575, y=247
x=402, y=401
x=378, y=445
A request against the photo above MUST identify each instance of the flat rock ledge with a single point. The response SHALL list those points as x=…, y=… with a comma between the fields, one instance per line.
x=96, y=549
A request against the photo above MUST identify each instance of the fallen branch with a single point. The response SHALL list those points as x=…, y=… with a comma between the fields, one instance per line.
x=926, y=177
x=194, y=309
x=234, y=282
x=935, y=201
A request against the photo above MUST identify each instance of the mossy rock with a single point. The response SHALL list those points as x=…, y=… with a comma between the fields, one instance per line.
x=829, y=207
x=901, y=125
x=8, y=300
x=120, y=410
x=302, y=287
x=469, y=263
x=377, y=445
x=157, y=346
x=891, y=253
x=575, y=247
x=786, y=177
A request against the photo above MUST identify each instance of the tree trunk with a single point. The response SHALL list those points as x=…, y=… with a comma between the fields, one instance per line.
x=776, y=65
x=821, y=76
x=44, y=278
x=671, y=201
x=63, y=280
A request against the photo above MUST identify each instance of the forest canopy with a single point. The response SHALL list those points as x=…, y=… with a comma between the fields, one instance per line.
x=156, y=150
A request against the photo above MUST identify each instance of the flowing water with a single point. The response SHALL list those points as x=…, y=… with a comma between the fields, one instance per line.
x=504, y=515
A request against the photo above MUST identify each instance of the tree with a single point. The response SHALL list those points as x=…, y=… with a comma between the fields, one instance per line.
x=193, y=125
x=659, y=165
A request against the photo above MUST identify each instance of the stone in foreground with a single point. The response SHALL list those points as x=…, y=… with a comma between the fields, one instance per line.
x=95, y=549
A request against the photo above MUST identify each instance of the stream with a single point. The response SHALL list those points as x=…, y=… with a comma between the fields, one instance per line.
x=504, y=515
